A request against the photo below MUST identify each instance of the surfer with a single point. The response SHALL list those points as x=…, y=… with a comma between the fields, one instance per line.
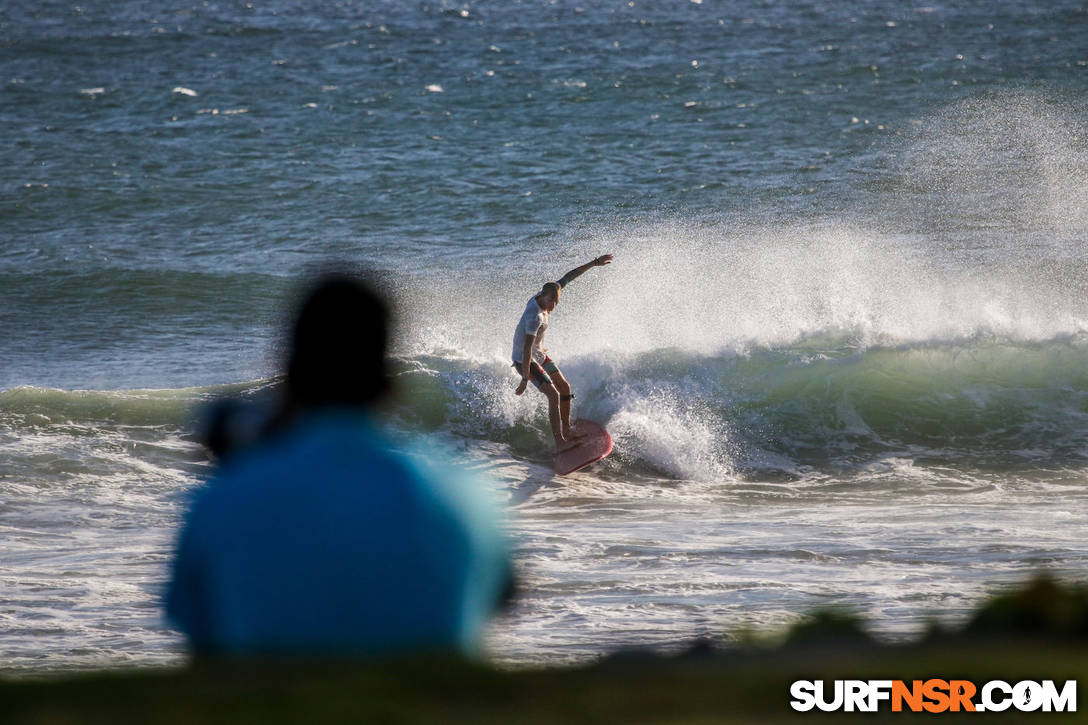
x=534, y=363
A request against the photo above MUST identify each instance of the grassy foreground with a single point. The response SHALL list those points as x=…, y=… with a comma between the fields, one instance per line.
x=1036, y=633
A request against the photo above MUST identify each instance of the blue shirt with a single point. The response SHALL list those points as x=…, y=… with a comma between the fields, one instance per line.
x=322, y=540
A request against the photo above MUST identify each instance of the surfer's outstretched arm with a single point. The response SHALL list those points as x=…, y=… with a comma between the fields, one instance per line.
x=578, y=271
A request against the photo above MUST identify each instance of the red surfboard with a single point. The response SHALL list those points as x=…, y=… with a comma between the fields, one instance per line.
x=596, y=445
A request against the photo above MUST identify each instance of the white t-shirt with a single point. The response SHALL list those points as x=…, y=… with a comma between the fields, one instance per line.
x=534, y=319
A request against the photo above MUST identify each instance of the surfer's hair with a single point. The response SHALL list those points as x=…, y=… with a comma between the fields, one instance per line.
x=554, y=287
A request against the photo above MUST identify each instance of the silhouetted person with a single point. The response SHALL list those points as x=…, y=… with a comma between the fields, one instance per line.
x=319, y=539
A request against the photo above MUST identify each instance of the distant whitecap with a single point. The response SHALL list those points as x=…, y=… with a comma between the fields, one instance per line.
x=183, y=91
x=434, y=88
x=93, y=91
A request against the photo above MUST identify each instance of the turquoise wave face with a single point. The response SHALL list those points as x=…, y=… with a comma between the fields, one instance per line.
x=30, y=408
x=981, y=403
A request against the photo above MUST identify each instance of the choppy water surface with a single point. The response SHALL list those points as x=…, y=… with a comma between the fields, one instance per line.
x=842, y=348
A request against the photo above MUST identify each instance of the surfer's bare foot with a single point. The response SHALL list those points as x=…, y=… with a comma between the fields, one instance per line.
x=566, y=445
x=571, y=435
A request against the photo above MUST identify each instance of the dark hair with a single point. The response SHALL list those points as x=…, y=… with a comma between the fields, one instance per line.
x=338, y=344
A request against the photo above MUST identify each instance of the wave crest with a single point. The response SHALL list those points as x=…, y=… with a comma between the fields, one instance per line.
x=822, y=405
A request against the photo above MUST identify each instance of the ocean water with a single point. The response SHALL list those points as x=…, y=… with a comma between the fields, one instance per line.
x=843, y=346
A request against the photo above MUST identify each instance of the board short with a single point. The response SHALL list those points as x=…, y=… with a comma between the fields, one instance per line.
x=540, y=373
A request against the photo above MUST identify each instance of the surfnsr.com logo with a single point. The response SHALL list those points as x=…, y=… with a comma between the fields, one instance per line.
x=933, y=695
